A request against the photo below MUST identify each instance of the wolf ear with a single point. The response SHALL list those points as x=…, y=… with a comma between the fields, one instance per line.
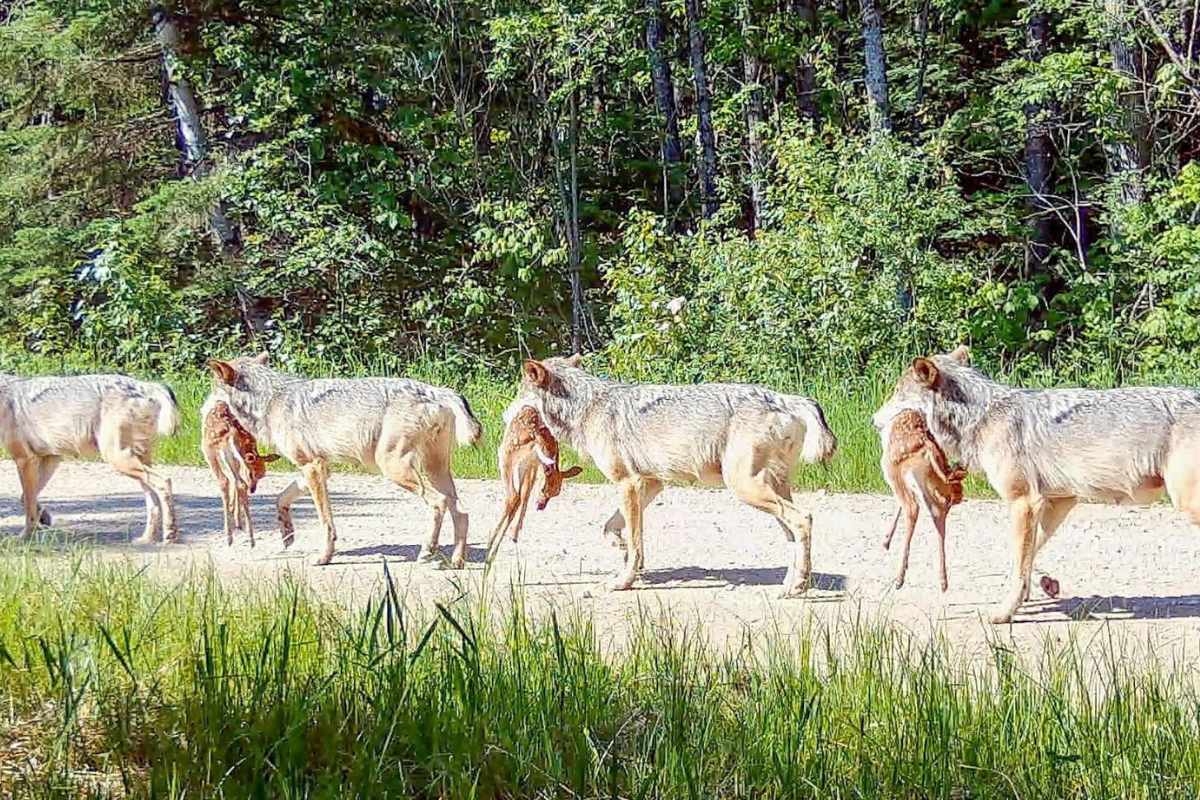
x=269, y=457
x=962, y=355
x=575, y=360
x=224, y=371
x=571, y=473
x=926, y=372
x=262, y=358
x=537, y=374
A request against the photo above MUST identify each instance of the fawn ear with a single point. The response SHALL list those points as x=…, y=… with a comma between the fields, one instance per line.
x=269, y=457
x=224, y=371
x=575, y=360
x=537, y=374
x=961, y=354
x=926, y=372
x=571, y=473
x=262, y=358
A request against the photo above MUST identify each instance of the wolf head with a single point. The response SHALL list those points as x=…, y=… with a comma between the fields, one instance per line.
x=560, y=390
x=921, y=383
x=245, y=384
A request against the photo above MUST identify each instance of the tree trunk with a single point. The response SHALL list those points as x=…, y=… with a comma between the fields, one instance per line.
x=806, y=68
x=189, y=132
x=708, y=138
x=922, y=27
x=664, y=99
x=840, y=60
x=752, y=66
x=1129, y=157
x=1038, y=154
x=877, y=87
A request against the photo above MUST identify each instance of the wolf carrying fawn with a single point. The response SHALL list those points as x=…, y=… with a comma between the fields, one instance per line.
x=232, y=453
x=918, y=473
x=527, y=450
x=1042, y=450
x=745, y=437
x=402, y=428
x=44, y=419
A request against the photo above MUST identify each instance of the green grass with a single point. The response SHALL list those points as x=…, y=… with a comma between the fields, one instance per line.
x=113, y=680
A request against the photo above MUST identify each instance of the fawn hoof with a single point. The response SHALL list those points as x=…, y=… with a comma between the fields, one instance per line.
x=1050, y=586
x=1002, y=616
x=324, y=561
x=427, y=556
x=899, y=582
x=289, y=539
x=44, y=518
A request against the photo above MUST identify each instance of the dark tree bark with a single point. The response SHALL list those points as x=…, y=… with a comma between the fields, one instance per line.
x=841, y=59
x=708, y=138
x=664, y=99
x=1128, y=158
x=752, y=68
x=876, y=61
x=921, y=23
x=1039, y=169
x=806, y=69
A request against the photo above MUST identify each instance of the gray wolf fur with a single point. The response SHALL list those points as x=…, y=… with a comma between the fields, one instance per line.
x=1044, y=450
x=745, y=437
x=44, y=419
x=399, y=427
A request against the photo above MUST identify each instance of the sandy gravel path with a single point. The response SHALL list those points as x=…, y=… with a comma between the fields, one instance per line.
x=709, y=559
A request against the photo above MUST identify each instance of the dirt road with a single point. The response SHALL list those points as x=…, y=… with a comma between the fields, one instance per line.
x=709, y=559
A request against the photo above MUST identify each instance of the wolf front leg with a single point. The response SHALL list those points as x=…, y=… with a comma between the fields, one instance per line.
x=316, y=475
x=631, y=509
x=1023, y=513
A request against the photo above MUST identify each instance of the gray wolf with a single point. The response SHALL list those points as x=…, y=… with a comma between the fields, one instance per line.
x=45, y=419
x=526, y=446
x=1043, y=450
x=915, y=467
x=399, y=427
x=745, y=437
x=232, y=453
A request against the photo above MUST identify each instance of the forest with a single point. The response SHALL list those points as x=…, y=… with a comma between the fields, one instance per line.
x=693, y=188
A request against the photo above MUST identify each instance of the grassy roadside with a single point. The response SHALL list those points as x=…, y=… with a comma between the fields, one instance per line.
x=116, y=682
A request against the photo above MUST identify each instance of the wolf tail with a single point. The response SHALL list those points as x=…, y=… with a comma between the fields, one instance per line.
x=819, y=442
x=168, y=409
x=466, y=428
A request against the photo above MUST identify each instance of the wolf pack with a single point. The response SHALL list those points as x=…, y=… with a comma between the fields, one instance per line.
x=1042, y=451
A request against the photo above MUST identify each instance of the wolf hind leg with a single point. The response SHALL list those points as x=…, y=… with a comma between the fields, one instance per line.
x=773, y=495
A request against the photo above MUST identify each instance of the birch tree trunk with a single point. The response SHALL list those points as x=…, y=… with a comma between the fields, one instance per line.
x=1128, y=158
x=752, y=68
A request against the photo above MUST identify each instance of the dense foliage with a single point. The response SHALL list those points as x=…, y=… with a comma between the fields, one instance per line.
x=729, y=187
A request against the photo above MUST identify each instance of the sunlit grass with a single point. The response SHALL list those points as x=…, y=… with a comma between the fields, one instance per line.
x=113, y=680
